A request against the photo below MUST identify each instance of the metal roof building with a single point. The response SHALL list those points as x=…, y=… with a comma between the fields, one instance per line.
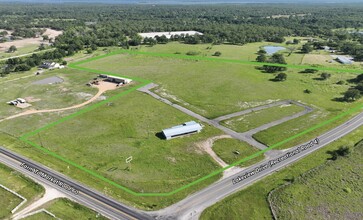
x=344, y=60
x=184, y=129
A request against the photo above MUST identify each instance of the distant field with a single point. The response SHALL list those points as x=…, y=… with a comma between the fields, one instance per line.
x=258, y=118
x=131, y=126
x=19, y=51
x=226, y=150
x=18, y=183
x=332, y=191
x=245, y=52
x=66, y=209
x=251, y=202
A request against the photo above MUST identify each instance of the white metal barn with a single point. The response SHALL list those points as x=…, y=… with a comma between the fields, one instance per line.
x=180, y=130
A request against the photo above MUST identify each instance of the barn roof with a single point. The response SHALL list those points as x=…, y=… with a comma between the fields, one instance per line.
x=187, y=127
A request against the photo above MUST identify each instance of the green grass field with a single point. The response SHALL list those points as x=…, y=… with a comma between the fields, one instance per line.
x=333, y=191
x=225, y=149
x=66, y=209
x=216, y=91
x=18, y=183
x=251, y=202
x=257, y=118
x=20, y=51
x=8, y=202
x=131, y=127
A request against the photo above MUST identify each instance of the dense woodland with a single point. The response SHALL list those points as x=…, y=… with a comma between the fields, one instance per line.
x=92, y=26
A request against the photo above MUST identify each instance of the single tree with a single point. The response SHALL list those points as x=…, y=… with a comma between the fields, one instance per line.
x=217, y=53
x=12, y=49
x=281, y=77
x=261, y=58
x=352, y=95
x=325, y=76
x=307, y=48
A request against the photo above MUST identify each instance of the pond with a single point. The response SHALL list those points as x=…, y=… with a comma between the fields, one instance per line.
x=273, y=49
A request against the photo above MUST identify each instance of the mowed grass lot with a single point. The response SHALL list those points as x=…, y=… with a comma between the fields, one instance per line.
x=8, y=202
x=257, y=118
x=251, y=202
x=213, y=89
x=332, y=191
x=71, y=91
x=18, y=183
x=66, y=209
x=101, y=140
x=226, y=150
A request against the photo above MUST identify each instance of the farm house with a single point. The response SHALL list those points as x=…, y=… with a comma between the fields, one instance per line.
x=181, y=130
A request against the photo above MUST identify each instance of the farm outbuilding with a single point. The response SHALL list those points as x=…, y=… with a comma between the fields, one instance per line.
x=116, y=79
x=344, y=60
x=183, y=129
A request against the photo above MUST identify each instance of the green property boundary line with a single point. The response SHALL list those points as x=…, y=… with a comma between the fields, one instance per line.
x=144, y=82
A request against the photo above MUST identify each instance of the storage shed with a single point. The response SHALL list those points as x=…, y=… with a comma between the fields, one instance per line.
x=183, y=129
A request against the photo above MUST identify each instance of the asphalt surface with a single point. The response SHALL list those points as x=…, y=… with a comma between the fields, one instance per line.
x=82, y=194
x=192, y=206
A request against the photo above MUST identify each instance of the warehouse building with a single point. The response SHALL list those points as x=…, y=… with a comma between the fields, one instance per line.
x=181, y=130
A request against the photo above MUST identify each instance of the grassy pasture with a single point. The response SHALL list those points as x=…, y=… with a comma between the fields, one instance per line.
x=257, y=118
x=333, y=189
x=225, y=149
x=131, y=127
x=216, y=90
x=66, y=209
x=18, y=183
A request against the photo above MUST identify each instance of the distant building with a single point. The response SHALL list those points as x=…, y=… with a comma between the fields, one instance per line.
x=344, y=60
x=181, y=130
x=50, y=65
x=115, y=79
x=169, y=34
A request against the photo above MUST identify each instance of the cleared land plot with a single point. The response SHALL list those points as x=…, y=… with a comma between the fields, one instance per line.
x=245, y=52
x=332, y=191
x=216, y=90
x=131, y=126
x=8, y=202
x=258, y=118
x=251, y=203
x=18, y=183
x=66, y=209
x=50, y=80
x=49, y=96
x=227, y=149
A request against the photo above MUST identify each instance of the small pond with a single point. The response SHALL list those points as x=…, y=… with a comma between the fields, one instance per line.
x=273, y=49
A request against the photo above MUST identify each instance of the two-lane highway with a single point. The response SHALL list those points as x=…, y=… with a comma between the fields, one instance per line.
x=84, y=195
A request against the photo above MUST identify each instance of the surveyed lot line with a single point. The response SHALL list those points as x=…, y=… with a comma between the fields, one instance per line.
x=145, y=82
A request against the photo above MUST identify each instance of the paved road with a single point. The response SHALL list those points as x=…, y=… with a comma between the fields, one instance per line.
x=246, y=136
x=86, y=196
x=192, y=206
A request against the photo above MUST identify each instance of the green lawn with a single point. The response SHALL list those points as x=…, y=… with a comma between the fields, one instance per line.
x=40, y=216
x=257, y=118
x=66, y=209
x=131, y=126
x=251, y=203
x=225, y=149
x=20, y=184
x=332, y=191
x=8, y=202
x=20, y=50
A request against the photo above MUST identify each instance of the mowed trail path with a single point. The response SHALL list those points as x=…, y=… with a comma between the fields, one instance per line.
x=102, y=87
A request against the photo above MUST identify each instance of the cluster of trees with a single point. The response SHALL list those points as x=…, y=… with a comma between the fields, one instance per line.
x=355, y=92
x=235, y=24
x=275, y=58
x=26, y=63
